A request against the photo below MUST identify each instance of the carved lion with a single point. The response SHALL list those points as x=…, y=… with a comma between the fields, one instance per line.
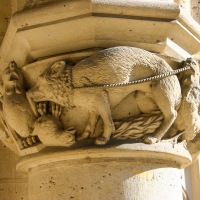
x=68, y=86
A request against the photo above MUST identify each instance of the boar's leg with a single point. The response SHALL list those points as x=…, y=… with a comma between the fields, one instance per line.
x=167, y=106
x=90, y=126
x=102, y=106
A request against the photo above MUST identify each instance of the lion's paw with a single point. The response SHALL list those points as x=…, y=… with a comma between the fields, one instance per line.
x=29, y=141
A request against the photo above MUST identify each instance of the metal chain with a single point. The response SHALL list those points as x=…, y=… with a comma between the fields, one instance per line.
x=160, y=76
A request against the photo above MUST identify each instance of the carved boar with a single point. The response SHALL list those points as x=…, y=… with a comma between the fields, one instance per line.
x=68, y=86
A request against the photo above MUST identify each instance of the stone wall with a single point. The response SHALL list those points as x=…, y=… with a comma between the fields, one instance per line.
x=13, y=184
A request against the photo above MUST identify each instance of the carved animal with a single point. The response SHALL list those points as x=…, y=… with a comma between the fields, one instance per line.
x=51, y=133
x=188, y=119
x=62, y=85
x=16, y=109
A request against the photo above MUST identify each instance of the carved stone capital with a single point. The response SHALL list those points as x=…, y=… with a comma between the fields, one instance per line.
x=116, y=94
x=91, y=118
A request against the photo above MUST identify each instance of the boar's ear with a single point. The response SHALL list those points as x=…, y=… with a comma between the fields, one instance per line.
x=57, y=67
x=193, y=63
x=14, y=63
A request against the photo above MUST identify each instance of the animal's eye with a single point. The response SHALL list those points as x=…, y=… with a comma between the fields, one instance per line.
x=193, y=63
x=53, y=71
x=7, y=71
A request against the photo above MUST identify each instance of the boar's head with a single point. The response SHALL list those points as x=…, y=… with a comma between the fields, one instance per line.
x=54, y=84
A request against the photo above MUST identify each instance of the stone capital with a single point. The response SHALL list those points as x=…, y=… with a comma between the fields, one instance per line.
x=106, y=89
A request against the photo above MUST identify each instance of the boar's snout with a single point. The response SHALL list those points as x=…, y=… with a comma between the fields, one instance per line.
x=36, y=94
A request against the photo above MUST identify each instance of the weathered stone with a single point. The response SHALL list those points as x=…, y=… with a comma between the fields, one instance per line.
x=116, y=73
x=131, y=171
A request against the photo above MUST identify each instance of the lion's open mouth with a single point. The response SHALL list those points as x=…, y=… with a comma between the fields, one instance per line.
x=14, y=77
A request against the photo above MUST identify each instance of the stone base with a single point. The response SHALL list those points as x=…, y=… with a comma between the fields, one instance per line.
x=131, y=171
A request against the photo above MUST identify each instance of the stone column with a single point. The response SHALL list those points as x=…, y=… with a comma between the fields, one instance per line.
x=194, y=170
x=195, y=10
x=126, y=171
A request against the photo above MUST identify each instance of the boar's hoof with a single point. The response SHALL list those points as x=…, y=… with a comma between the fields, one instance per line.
x=101, y=140
x=82, y=136
x=150, y=140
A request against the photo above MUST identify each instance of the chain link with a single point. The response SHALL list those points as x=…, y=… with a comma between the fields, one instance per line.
x=160, y=76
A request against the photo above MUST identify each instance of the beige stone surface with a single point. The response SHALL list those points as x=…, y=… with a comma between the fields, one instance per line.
x=192, y=7
x=191, y=180
x=195, y=10
x=13, y=184
x=97, y=173
x=88, y=23
x=46, y=31
x=176, y=154
x=157, y=9
x=195, y=178
x=110, y=66
x=131, y=171
x=5, y=15
x=7, y=8
x=105, y=180
x=90, y=92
